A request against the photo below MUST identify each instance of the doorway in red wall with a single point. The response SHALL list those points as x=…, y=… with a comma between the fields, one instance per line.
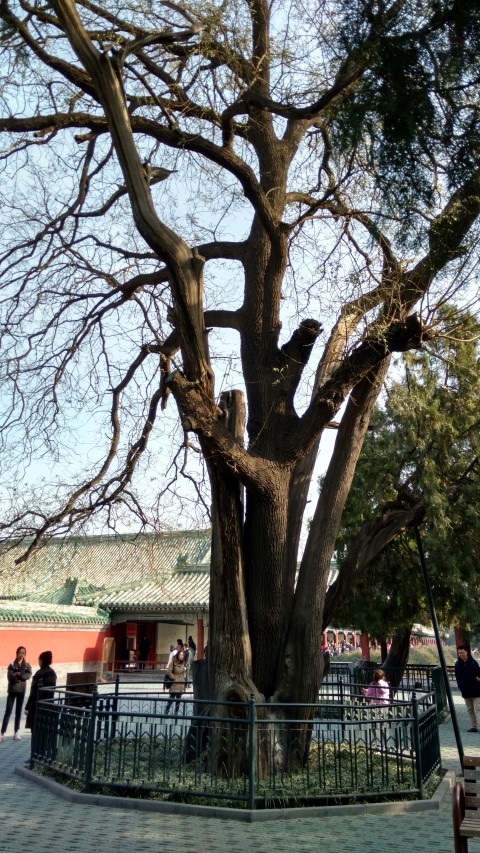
x=135, y=644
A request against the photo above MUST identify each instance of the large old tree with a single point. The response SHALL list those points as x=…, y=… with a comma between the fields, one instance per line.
x=184, y=182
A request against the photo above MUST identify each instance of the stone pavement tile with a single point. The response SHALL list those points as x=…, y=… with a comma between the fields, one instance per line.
x=52, y=825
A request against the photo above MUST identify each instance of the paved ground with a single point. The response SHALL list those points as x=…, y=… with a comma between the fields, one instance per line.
x=32, y=820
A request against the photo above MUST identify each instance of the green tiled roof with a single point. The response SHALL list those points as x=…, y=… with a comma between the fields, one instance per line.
x=87, y=578
x=144, y=571
x=62, y=595
x=188, y=591
x=28, y=611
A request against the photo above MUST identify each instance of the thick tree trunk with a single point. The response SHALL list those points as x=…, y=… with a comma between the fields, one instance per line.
x=229, y=653
x=269, y=587
x=255, y=613
x=397, y=657
x=301, y=669
x=229, y=659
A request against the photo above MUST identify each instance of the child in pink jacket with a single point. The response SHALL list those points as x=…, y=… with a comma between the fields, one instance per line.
x=378, y=691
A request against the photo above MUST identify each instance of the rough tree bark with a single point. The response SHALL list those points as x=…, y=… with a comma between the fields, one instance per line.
x=397, y=657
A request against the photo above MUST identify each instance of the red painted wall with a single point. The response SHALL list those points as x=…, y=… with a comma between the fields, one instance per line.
x=67, y=645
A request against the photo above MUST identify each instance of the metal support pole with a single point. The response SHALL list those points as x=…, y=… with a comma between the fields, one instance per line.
x=342, y=705
x=90, y=740
x=115, y=706
x=441, y=656
x=418, y=749
x=251, y=752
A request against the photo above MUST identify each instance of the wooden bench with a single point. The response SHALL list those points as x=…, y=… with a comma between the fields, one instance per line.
x=466, y=805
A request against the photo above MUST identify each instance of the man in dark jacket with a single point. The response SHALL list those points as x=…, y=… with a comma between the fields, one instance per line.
x=467, y=673
x=18, y=673
x=43, y=681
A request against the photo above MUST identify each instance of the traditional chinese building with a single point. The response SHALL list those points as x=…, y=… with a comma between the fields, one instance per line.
x=74, y=593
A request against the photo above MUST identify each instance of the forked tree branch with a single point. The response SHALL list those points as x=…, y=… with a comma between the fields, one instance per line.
x=370, y=540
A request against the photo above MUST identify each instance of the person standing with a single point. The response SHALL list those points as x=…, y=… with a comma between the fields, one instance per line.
x=191, y=652
x=176, y=673
x=124, y=653
x=45, y=677
x=192, y=647
x=18, y=673
x=174, y=650
x=467, y=673
x=144, y=651
x=378, y=691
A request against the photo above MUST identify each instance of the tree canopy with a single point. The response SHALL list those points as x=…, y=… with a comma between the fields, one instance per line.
x=198, y=196
x=422, y=450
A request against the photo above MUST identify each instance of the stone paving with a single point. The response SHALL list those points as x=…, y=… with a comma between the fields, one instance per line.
x=33, y=820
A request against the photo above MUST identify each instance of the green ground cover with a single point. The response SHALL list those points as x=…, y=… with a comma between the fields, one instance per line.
x=334, y=774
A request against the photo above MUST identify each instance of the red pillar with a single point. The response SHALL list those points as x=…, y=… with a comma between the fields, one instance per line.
x=324, y=639
x=459, y=638
x=365, y=646
x=200, y=639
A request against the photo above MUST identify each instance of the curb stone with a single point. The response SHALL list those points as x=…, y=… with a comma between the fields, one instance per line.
x=243, y=815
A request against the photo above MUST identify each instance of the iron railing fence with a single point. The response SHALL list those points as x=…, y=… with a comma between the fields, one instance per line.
x=451, y=672
x=361, y=673
x=414, y=679
x=351, y=675
x=250, y=754
x=343, y=684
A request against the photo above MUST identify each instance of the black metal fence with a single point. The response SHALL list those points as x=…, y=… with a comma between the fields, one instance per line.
x=360, y=672
x=345, y=680
x=253, y=755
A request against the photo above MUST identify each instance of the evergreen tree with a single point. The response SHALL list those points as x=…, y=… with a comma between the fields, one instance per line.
x=423, y=451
